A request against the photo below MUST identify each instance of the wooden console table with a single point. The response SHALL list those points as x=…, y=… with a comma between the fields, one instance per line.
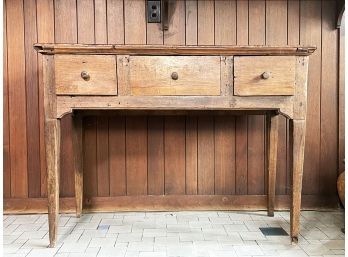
x=271, y=80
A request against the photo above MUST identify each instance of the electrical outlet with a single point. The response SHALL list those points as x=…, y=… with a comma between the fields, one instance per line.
x=154, y=11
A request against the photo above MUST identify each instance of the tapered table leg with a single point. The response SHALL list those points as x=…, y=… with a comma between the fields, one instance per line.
x=78, y=162
x=272, y=123
x=52, y=139
x=298, y=131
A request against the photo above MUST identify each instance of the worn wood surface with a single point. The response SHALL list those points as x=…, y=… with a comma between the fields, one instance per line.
x=311, y=31
x=52, y=140
x=78, y=161
x=281, y=103
x=101, y=72
x=264, y=75
x=6, y=127
x=57, y=22
x=173, y=49
x=17, y=99
x=272, y=151
x=298, y=130
x=52, y=143
x=153, y=75
x=187, y=202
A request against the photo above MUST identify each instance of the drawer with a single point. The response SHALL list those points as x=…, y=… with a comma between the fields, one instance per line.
x=85, y=75
x=174, y=75
x=264, y=75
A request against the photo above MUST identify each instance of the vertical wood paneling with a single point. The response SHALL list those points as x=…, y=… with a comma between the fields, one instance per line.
x=90, y=186
x=101, y=34
x=45, y=33
x=65, y=21
x=257, y=22
x=6, y=129
x=31, y=77
x=310, y=34
x=224, y=155
x=206, y=22
x=276, y=22
x=17, y=98
x=135, y=22
x=154, y=34
x=136, y=155
x=341, y=100
x=175, y=35
x=85, y=21
x=206, y=149
x=115, y=21
x=276, y=34
x=117, y=155
x=174, y=154
x=191, y=22
x=242, y=121
x=155, y=155
x=225, y=22
x=329, y=101
x=191, y=155
x=256, y=123
x=293, y=22
x=103, y=156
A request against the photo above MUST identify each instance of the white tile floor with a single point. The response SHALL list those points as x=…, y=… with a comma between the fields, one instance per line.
x=155, y=234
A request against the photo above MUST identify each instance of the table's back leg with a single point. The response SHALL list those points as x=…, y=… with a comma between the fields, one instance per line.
x=272, y=148
x=52, y=140
x=78, y=162
x=298, y=133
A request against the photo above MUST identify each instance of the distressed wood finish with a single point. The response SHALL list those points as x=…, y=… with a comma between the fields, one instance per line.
x=172, y=50
x=78, y=161
x=99, y=75
x=264, y=75
x=298, y=130
x=168, y=75
x=167, y=203
x=272, y=151
x=141, y=73
x=52, y=140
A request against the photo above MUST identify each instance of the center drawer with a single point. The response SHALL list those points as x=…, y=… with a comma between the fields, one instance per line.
x=174, y=75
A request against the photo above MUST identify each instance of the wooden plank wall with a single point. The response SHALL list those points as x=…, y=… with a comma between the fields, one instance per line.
x=127, y=155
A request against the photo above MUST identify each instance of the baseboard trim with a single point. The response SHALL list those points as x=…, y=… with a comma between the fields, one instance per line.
x=169, y=203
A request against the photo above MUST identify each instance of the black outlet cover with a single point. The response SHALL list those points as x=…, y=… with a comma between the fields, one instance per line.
x=154, y=11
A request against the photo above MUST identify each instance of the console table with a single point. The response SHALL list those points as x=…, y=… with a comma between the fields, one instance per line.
x=271, y=80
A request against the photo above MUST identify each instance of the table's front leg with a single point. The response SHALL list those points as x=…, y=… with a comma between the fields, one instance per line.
x=272, y=150
x=298, y=133
x=52, y=139
x=78, y=162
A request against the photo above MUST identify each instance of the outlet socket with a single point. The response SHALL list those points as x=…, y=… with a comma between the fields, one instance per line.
x=154, y=11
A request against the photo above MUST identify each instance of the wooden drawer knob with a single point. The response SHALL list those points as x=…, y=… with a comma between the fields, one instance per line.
x=266, y=75
x=175, y=75
x=85, y=75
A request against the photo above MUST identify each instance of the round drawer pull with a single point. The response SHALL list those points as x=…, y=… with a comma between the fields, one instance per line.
x=85, y=75
x=266, y=75
x=175, y=76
